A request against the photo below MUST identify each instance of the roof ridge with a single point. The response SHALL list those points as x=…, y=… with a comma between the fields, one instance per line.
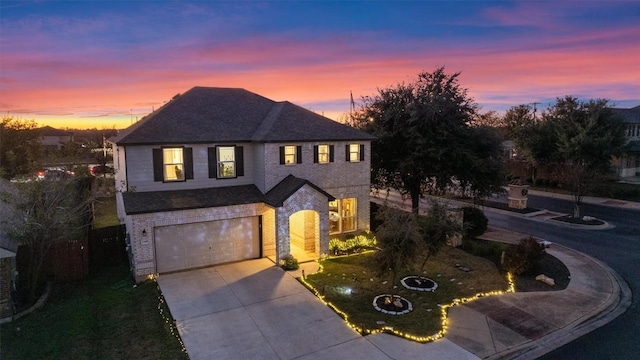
x=268, y=121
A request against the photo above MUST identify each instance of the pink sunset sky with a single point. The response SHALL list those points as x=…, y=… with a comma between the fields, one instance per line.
x=105, y=64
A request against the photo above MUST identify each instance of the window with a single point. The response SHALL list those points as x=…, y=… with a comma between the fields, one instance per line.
x=172, y=164
x=342, y=215
x=172, y=161
x=354, y=152
x=323, y=154
x=290, y=154
x=226, y=162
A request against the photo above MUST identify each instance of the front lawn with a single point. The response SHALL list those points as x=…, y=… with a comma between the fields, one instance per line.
x=350, y=284
x=100, y=318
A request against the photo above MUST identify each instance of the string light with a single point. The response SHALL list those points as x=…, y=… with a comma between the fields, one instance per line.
x=444, y=311
x=168, y=319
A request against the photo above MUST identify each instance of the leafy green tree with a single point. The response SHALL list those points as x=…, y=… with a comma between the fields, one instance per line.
x=436, y=229
x=399, y=241
x=50, y=211
x=20, y=148
x=577, y=138
x=425, y=141
x=588, y=135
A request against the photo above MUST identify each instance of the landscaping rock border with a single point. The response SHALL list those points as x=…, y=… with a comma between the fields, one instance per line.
x=404, y=283
x=405, y=311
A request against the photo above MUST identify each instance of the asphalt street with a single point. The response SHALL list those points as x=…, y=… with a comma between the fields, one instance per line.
x=618, y=247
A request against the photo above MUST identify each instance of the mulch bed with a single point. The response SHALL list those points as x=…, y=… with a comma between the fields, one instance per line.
x=381, y=304
x=549, y=266
x=419, y=283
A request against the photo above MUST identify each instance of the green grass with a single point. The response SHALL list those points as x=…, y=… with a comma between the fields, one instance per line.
x=425, y=320
x=100, y=318
x=105, y=212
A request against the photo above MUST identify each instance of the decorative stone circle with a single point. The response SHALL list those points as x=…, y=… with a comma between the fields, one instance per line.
x=419, y=283
x=386, y=300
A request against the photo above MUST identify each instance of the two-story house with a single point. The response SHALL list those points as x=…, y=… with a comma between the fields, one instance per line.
x=219, y=175
x=628, y=165
x=54, y=139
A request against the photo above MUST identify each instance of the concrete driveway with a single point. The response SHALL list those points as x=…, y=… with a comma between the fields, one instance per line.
x=255, y=310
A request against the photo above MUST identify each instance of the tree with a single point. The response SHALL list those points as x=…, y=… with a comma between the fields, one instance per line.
x=50, y=211
x=577, y=138
x=436, y=229
x=19, y=147
x=399, y=241
x=425, y=142
x=588, y=135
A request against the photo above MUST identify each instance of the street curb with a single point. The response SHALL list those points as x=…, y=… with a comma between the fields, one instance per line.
x=620, y=300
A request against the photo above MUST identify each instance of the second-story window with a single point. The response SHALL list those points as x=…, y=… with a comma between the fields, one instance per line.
x=354, y=152
x=226, y=162
x=173, y=164
x=323, y=154
x=290, y=154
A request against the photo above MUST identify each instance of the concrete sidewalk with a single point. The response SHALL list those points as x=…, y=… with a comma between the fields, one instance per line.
x=590, y=200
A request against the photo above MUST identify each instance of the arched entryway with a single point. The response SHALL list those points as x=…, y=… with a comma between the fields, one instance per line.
x=304, y=235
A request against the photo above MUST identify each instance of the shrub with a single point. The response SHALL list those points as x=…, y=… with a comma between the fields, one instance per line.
x=290, y=263
x=474, y=222
x=352, y=244
x=539, y=182
x=524, y=258
x=486, y=249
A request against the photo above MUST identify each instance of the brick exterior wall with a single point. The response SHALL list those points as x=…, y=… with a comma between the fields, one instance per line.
x=143, y=245
x=340, y=178
x=306, y=198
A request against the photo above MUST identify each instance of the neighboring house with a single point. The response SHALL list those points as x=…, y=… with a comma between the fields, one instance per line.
x=54, y=139
x=219, y=175
x=628, y=165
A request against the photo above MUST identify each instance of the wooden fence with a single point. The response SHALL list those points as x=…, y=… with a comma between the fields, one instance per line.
x=107, y=247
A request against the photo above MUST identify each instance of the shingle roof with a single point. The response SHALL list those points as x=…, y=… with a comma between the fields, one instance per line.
x=287, y=187
x=629, y=116
x=159, y=201
x=50, y=131
x=206, y=115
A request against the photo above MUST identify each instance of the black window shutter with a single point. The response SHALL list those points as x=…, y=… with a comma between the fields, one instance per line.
x=157, y=165
x=281, y=154
x=213, y=162
x=315, y=154
x=361, y=152
x=299, y=154
x=188, y=163
x=330, y=153
x=239, y=161
x=346, y=153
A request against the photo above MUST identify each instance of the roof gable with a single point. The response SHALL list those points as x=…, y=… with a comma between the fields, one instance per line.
x=629, y=116
x=208, y=115
x=287, y=187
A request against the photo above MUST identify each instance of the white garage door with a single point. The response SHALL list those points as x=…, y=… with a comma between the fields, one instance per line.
x=186, y=246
